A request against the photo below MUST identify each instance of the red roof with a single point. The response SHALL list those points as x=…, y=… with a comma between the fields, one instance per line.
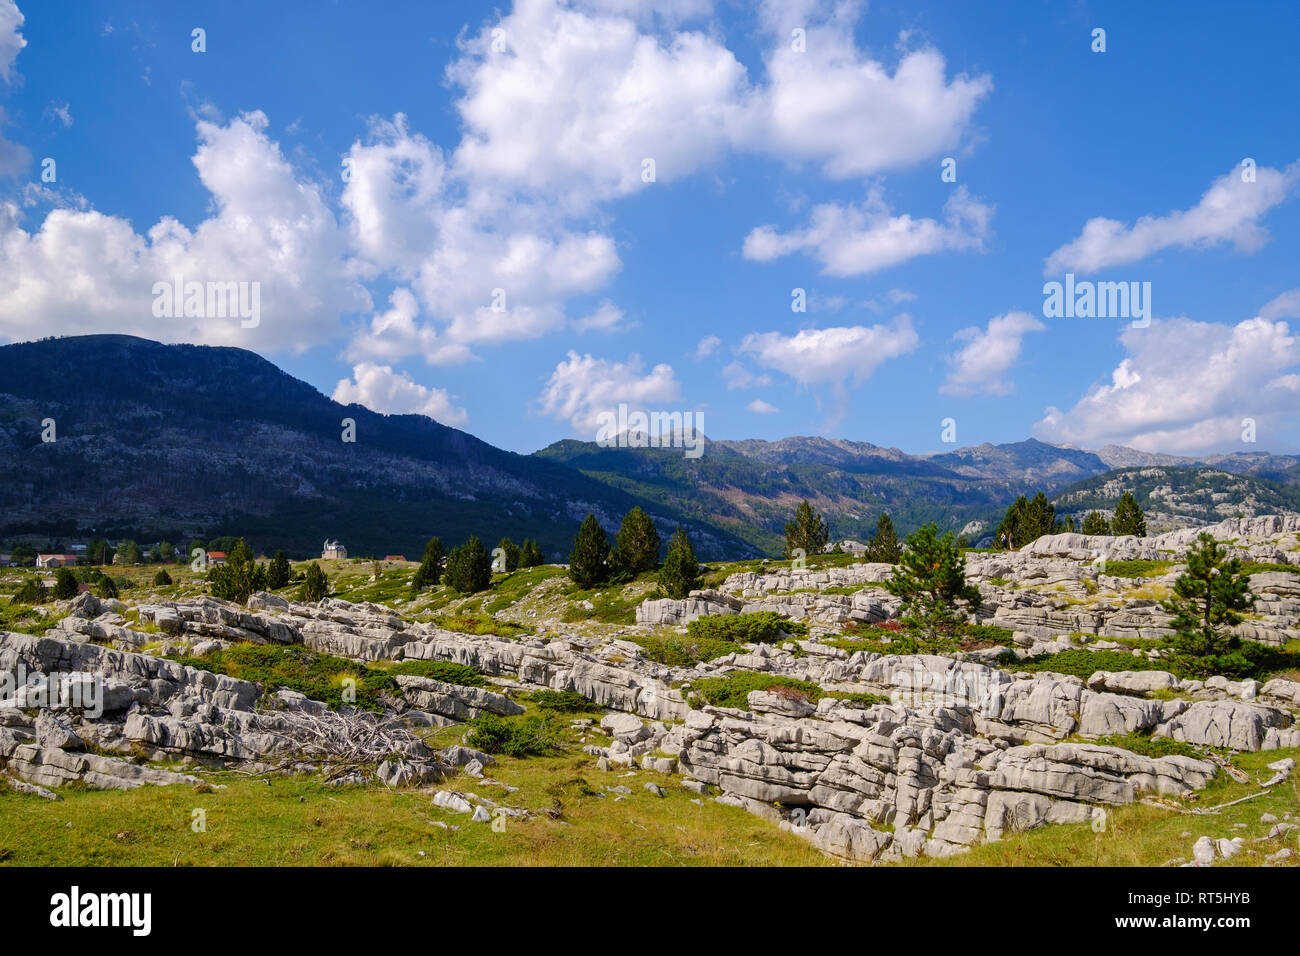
x=394, y=557
x=216, y=554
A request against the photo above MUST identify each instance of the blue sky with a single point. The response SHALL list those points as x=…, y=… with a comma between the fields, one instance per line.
x=503, y=148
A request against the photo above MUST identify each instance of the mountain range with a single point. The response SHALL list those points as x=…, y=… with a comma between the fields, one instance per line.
x=175, y=441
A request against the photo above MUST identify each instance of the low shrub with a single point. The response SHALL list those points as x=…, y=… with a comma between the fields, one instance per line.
x=1146, y=746
x=764, y=627
x=1082, y=664
x=683, y=650
x=524, y=736
x=564, y=702
x=733, y=689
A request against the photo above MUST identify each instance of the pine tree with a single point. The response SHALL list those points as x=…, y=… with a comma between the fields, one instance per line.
x=931, y=579
x=315, y=585
x=511, y=553
x=885, y=547
x=1208, y=597
x=806, y=533
x=65, y=584
x=106, y=587
x=277, y=575
x=469, y=567
x=239, y=577
x=1129, y=518
x=1096, y=523
x=429, y=573
x=636, y=547
x=162, y=578
x=680, y=573
x=589, y=560
x=530, y=555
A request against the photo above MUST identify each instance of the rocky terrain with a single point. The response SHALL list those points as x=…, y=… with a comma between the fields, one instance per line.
x=897, y=756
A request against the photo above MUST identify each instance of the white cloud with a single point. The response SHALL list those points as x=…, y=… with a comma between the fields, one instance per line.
x=11, y=41
x=980, y=365
x=607, y=318
x=82, y=271
x=577, y=102
x=852, y=240
x=1284, y=306
x=581, y=387
x=380, y=389
x=62, y=112
x=394, y=334
x=1185, y=386
x=760, y=407
x=739, y=377
x=832, y=356
x=1229, y=212
x=708, y=345
x=834, y=105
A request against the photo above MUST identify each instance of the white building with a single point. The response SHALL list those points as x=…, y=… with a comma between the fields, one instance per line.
x=333, y=551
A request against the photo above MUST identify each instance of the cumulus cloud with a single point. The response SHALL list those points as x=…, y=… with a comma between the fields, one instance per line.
x=11, y=41
x=380, y=389
x=739, y=377
x=82, y=271
x=834, y=105
x=855, y=239
x=607, y=318
x=979, y=366
x=1228, y=212
x=1284, y=306
x=832, y=356
x=707, y=346
x=1185, y=386
x=760, y=407
x=582, y=386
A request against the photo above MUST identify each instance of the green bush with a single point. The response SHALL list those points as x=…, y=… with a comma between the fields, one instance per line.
x=321, y=676
x=564, y=702
x=65, y=584
x=446, y=671
x=733, y=689
x=524, y=736
x=764, y=627
x=162, y=578
x=677, y=650
x=1145, y=746
x=1084, y=664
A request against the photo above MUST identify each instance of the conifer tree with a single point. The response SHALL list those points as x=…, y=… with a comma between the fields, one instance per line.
x=636, y=547
x=589, y=561
x=931, y=580
x=885, y=546
x=1129, y=518
x=469, y=567
x=806, y=533
x=680, y=573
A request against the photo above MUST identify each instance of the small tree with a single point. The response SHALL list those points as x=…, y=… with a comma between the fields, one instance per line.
x=1207, y=598
x=162, y=578
x=530, y=555
x=65, y=584
x=239, y=577
x=315, y=584
x=106, y=588
x=680, y=573
x=33, y=591
x=128, y=552
x=885, y=546
x=429, y=573
x=1129, y=518
x=589, y=560
x=931, y=580
x=279, y=572
x=511, y=553
x=1096, y=523
x=469, y=568
x=98, y=552
x=636, y=547
x=807, y=532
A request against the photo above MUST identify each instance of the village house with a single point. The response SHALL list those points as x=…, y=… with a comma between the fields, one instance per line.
x=394, y=557
x=333, y=551
x=216, y=557
x=55, y=560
